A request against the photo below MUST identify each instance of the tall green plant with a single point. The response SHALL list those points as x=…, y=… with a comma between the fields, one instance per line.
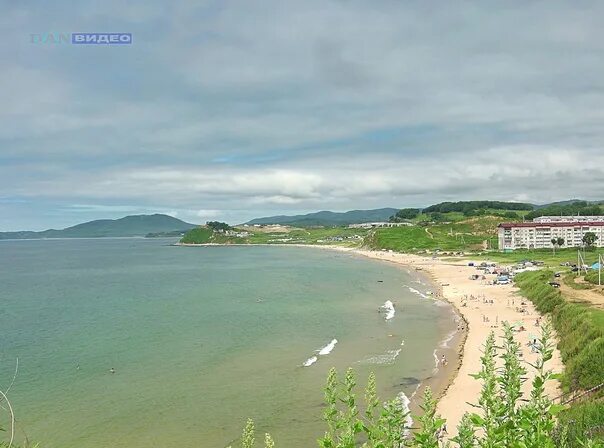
x=504, y=418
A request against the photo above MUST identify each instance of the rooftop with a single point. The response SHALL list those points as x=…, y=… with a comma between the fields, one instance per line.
x=552, y=224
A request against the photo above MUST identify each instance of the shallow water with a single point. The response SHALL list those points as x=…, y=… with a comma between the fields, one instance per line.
x=201, y=338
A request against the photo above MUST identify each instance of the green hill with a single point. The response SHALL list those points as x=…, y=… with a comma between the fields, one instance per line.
x=475, y=206
x=135, y=225
x=328, y=219
x=457, y=233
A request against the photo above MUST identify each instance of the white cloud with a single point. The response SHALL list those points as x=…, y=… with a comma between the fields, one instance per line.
x=303, y=105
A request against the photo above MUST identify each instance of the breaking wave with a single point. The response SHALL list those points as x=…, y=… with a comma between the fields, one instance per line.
x=310, y=361
x=388, y=306
x=419, y=293
x=387, y=358
x=404, y=403
x=328, y=348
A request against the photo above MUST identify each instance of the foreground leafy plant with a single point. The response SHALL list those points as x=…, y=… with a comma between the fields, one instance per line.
x=504, y=419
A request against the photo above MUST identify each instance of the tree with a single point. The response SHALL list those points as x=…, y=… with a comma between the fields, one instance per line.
x=405, y=214
x=557, y=242
x=217, y=226
x=589, y=239
x=437, y=217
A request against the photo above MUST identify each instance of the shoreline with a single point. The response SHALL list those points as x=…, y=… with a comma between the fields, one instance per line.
x=441, y=377
x=482, y=308
x=455, y=287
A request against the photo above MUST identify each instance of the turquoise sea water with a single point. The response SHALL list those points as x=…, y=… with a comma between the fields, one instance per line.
x=200, y=338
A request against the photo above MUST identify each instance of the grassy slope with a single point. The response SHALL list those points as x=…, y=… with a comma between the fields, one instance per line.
x=199, y=235
x=319, y=236
x=459, y=235
x=580, y=330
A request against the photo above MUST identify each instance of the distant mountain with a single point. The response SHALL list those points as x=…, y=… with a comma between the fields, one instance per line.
x=569, y=202
x=135, y=225
x=327, y=218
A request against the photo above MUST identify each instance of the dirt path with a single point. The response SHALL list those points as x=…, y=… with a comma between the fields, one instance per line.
x=595, y=296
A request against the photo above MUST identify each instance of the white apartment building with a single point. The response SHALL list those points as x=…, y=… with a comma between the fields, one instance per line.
x=569, y=219
x=538, y=235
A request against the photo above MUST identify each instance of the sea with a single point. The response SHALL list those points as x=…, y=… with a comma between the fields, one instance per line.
x=200, y=339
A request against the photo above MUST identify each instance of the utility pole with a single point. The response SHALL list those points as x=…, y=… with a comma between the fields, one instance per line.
x=599, y=270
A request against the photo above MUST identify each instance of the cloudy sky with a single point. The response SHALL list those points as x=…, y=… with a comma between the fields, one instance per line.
x=236, y=109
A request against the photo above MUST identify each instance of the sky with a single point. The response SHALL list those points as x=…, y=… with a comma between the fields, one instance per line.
x=230, y=110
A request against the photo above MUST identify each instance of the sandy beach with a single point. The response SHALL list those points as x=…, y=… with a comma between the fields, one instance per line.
x=484, y=307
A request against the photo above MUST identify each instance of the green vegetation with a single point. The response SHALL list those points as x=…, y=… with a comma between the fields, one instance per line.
x=503, y=418
x=581, y=338
x=580, y=330
x=593, y=277
x=328, y=219
x=217, y=226
x=250, y=235
x=199, y=235
x=569, y=280
x=405, y=214
x=575, y=208
x=474, y=206
x=471, y=234
x=582, y=420
x=589, y=239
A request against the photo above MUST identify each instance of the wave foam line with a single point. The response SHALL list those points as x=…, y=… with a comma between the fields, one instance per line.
x=404, y=403
x=419, y=293
x=445, y=342
x=328, y=348
x=436, y=362
x=387, y=358
x=310, y=361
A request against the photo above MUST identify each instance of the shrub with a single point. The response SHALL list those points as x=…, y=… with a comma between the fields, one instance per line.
x=504, y=419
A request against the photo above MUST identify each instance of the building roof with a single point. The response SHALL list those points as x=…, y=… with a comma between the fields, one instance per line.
x=552, y=224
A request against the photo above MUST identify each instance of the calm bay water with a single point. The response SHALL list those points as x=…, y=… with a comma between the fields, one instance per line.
x=200, y=338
